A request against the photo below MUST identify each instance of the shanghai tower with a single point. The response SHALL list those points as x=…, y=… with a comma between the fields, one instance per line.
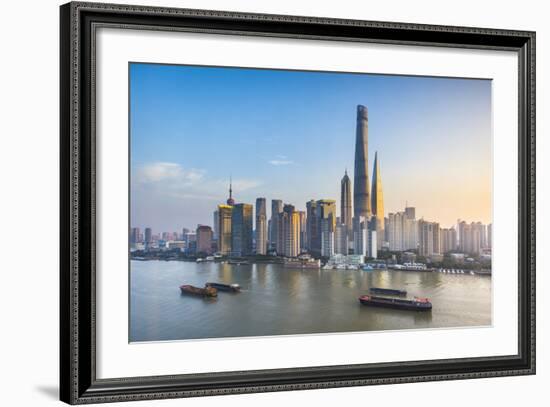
x=361, y=190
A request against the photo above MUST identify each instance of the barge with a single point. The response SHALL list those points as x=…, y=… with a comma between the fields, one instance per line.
x=204, y=292
x=225, y=287
x=416, y=304
x=387, y=291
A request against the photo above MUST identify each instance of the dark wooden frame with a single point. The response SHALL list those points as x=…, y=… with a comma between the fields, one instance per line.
x=78, y=382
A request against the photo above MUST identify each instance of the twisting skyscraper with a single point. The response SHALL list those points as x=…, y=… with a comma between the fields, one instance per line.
x=361, y=195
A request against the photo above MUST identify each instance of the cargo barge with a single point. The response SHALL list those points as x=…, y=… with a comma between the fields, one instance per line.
x=416, y=304
x=225, y=287
x=204, y=292
x=387, y=291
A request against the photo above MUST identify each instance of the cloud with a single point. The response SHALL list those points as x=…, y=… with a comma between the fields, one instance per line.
x=280, y=162
x=165, y=171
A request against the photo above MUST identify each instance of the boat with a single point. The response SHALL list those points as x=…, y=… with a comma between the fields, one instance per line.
x=205, y=292
x=387, y=291
x=416, y=304
x=238, y=262
x=301, y=263
x=225, y=287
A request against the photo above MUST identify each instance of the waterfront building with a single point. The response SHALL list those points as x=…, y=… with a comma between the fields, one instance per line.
x=216, y=230
x=345, y=209
x=148, y=236
x=489, y=235
x=204, y=239
x=326, y=225
x=135, y=236
x=364, y=239
x=276, y=209
x=241, y=229
x=377, y=204
x=340, y=238
x=261, y=226
x=471, y=236
x=448, y=240
x=313, y=239
x=224, y=228
x=395, y=232
x=303, y=222
x=289, y=232
x=361, y=190
x=429, y=238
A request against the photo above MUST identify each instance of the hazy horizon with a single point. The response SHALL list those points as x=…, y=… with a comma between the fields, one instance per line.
x=290, y=135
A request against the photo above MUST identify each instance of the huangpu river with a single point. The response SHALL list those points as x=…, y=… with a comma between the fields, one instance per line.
x=281, y=301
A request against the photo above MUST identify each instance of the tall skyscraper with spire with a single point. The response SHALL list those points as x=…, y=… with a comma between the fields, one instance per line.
x=345, y=212
x=361, y=190
x=377, y=204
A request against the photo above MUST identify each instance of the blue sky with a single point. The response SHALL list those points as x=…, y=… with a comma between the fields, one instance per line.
x=290, y=135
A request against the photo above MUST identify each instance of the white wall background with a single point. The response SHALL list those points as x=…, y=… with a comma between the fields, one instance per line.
x=29, y=162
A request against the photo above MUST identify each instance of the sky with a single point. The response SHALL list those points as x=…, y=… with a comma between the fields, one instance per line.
x=290, y=135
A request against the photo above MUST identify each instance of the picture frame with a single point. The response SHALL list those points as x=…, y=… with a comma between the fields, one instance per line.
x=79, y=383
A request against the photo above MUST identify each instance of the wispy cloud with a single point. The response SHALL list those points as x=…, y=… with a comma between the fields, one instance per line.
x=162, y=171
x=280, y=160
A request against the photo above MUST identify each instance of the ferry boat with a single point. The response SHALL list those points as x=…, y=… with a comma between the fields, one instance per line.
x=302, y=262
x=204, y=292
x=416, y=304
x=387, y=291
x=225, y=287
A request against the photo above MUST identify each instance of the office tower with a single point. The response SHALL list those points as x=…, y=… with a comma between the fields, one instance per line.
x=448, y=240
x=276, y=208
x=289, y=231
x=241, y=230
x=313, y=240
x=326, y=225
x=224, y=229
x=261, y=226
x=204, y=239
x=365, y=241
x=148, y=235
x=345, y=210
x=361, y=190
x=429, y=238
x=340, y=238
x=377, y=204
x=302, y=219
x=134, y=236
x=216, y=230
x=490, y=235
x=410, y=212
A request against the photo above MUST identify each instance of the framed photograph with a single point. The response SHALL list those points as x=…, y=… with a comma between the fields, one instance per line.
x=255, y=203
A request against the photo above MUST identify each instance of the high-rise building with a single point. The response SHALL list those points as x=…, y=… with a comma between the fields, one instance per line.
x=230, y=200
x=148, y=235
x=313, y=239
x=303, y=222
x=365, y=242
x=361, y=190
x=276, y=208
x=326, y=215
x=224, y=228
x=204, y=239
x=346, y=214
x=241, y=229
x=429, y=238
x=134, y=236
x=395, y=231
x=216, y=231
x=289, y=232
x=471, y=236
x=490, y=235
x=340, y=238
x=448, y=240
x=377, y=205
x=410, y=229
x=261, y=226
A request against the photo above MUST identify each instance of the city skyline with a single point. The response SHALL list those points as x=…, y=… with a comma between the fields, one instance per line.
x=168, y=193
